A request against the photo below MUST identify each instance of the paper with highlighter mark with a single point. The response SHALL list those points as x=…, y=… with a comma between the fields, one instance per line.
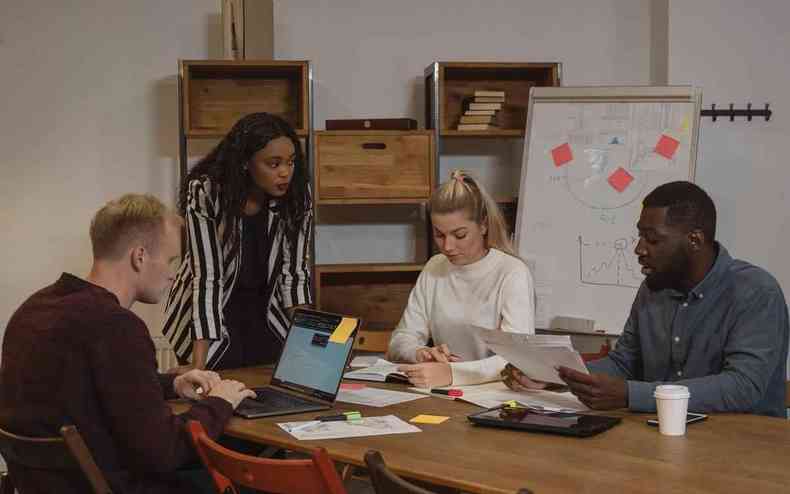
x=343, y=330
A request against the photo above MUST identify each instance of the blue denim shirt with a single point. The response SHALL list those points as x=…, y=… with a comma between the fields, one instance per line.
x=727, y=340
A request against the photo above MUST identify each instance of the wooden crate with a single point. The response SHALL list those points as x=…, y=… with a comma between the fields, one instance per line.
x=377, y=293
x=458, y=81
x=217, y=93
x=361, y=167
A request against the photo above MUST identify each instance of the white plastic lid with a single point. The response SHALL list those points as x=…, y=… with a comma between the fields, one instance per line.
x=671, y=392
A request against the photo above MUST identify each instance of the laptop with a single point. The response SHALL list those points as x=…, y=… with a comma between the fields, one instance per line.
x=308, y=373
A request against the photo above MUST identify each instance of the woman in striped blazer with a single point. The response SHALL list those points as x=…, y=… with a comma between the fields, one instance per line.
x=249, y=219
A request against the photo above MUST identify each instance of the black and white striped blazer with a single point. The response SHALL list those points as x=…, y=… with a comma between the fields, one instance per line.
x=208, y=273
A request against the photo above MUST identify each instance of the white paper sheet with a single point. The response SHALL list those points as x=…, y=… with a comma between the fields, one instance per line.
x=366, y=361
x=368, y=426
x=537, y=356
x=493, y=394
x=376, y=397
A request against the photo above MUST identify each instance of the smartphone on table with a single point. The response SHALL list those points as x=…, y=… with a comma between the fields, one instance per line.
x=691, y=418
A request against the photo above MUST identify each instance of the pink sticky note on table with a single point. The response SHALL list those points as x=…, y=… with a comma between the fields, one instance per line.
x=620, y=179
x=562, y=154
x=350, y=386
x=667, y=146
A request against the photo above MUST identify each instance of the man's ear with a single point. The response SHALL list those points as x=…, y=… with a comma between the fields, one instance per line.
x=696, y=239
x=137, y=257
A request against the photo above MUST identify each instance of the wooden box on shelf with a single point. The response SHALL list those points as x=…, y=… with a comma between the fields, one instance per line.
x=217, y=93
x=455, y=83
x=377, y=293
x=368, y=167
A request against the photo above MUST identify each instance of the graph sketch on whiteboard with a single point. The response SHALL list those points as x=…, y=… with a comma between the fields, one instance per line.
x=609, y=263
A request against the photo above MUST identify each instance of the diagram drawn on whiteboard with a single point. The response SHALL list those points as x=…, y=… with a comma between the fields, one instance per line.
x=609, y=263
x=614, y=154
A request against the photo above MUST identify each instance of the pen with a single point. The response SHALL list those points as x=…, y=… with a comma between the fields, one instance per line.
x=454, y=393
x=340, y=418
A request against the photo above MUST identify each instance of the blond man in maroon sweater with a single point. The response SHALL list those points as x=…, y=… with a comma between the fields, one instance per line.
x=74, y=353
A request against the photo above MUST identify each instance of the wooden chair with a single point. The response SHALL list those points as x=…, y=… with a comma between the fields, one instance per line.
x=386, y=482
x=787, y=394
x=229, y=468
x=67, y=453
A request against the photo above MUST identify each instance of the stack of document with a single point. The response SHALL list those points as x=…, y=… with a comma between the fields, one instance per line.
x=537, y=356
x=381, y=371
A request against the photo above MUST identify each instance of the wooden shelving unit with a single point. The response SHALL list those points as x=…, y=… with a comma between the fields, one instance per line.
x=449, y=84
x=376, y=292
x=215, y=94
x=371, y=168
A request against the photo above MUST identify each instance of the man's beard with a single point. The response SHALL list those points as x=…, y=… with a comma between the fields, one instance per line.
x=677, y=271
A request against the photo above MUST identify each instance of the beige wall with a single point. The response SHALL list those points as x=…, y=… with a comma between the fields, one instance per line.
x=369, y=59
x=88, y=112
x=89, y=97
x=737, y=52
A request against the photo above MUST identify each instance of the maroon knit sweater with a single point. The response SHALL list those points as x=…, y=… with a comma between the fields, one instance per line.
x=73, y=355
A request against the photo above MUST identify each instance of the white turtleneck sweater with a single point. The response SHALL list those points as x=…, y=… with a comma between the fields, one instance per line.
x=495, y=292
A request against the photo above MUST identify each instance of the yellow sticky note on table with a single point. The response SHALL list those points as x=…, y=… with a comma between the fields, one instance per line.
x=428, y=419
x=343, y=330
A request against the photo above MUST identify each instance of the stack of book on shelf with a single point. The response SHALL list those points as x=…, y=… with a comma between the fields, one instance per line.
x=481, y=111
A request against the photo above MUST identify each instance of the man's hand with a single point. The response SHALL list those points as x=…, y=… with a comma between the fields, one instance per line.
x=231, y=391
x=428, y=374
x=186, y=385
x=518, y=381
x=597, y=391
x=439, y=353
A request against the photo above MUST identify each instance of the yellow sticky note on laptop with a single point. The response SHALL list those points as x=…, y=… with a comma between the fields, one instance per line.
x=429, y=419
x=343, y=330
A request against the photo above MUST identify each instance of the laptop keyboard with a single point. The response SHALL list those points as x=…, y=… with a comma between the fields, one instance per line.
x=269, y=400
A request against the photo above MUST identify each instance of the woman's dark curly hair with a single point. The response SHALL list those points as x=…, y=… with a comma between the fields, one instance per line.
x=225, y=166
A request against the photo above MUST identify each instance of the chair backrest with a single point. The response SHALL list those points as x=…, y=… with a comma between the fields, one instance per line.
x=228, y=468
x=787, y=394
x=67, y=452
x=386, y=482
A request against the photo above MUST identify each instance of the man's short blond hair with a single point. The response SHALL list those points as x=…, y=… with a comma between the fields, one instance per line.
x=130, y=219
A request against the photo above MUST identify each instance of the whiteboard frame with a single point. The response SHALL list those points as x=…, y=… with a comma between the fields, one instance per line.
x=606, y=94
x=609, y=94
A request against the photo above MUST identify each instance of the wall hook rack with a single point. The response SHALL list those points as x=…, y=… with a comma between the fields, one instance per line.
x=732, y=112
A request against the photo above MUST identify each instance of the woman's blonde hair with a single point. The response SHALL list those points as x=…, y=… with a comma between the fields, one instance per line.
x=463, y=193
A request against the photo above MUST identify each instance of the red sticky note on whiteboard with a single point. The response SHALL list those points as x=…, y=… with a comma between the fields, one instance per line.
x=667, y=146
x=620, y=179
x=561, y=154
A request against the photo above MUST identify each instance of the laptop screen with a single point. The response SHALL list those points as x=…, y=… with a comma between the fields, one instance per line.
x=309, y=361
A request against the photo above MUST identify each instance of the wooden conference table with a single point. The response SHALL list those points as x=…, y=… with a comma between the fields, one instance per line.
x=727, y=453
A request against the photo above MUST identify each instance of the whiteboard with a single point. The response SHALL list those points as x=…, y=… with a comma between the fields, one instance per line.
x=591, y=155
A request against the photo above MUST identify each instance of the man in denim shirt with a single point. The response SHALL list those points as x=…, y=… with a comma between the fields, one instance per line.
x=701, y=319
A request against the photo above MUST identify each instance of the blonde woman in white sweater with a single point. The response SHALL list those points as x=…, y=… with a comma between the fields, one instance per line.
x=476, y=281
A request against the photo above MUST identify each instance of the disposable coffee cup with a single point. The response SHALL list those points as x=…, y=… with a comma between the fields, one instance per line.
x=672, y=402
